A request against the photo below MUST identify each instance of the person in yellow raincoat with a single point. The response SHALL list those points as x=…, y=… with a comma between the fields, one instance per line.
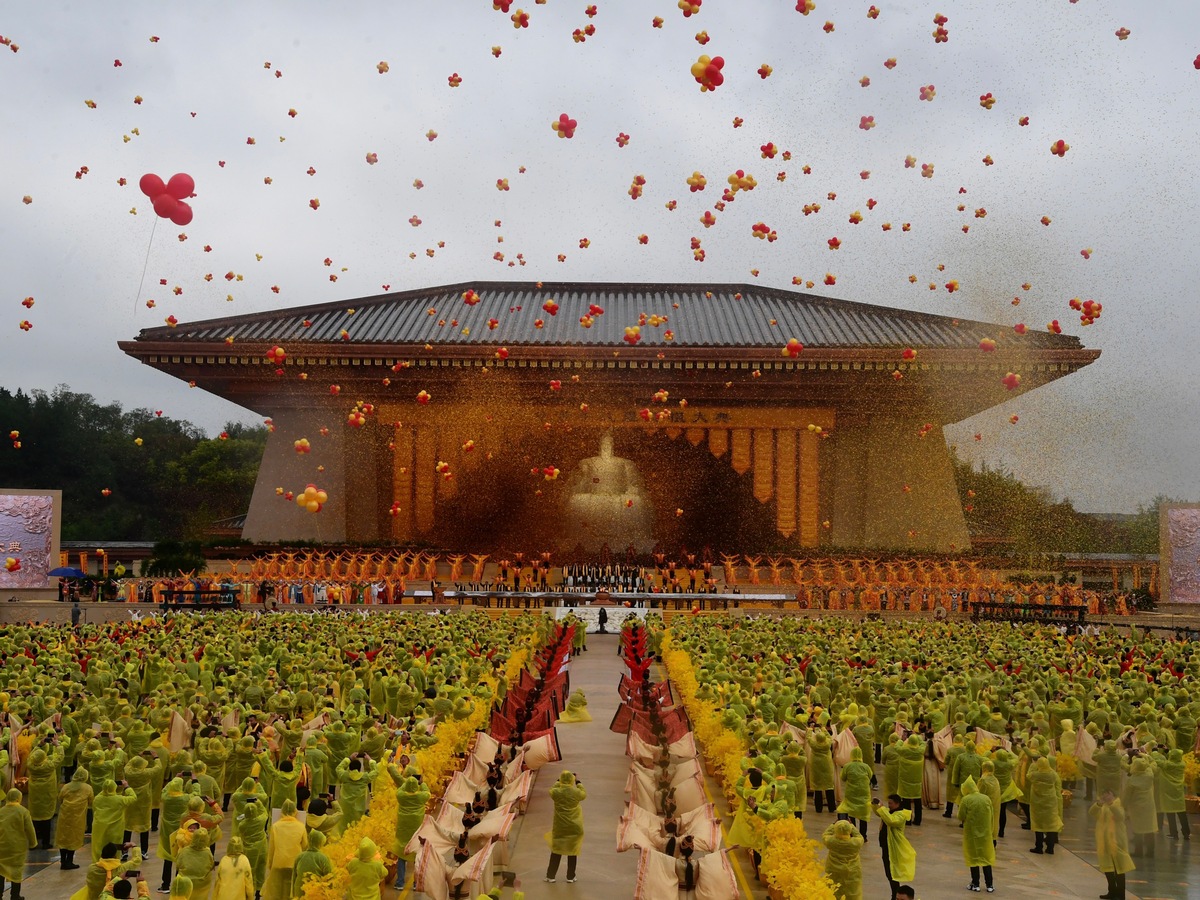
x=105, y=869
x=43, y=791
x=195, y=860
x=235, y=881
x=989, y=785
x=108, y=816
x=843, y=863
x=411, y=799
x=566, y=831
x=1045, y=805
x=899, y=857
x=1140, y=807
x=312, y=862
x=576, y=710
x=1112, y=844
x=17, y=838
x=289, y=838
x=975, y=813
x=74, y=801
x=367, y=872
x=174, y=805
x=911, y=773
x=181, y=888
x=856, y=791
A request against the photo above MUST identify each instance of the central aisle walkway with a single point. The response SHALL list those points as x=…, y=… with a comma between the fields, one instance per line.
x=597, y=757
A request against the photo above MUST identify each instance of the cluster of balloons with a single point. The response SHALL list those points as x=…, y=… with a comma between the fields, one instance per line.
x=565, y=126
x=707, y=72
x=168, y=198
x=1089, y=310
x=312, y=498
x=12, y=564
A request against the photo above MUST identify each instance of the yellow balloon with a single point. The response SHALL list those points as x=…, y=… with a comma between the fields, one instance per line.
x=301, y=500
x=312, y=506
x=322, y=497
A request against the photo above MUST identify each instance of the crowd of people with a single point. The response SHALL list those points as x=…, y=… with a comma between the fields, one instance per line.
x=280, y=730
x=667, y=818
x=984, y=722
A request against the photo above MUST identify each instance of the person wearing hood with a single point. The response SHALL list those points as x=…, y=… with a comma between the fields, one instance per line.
x=1112, y=844
x=311, y=863
x=288, y=840
x=979, y=850
x=843, y=861
x=899, y=857
x=108, y=816
x=1169, y=784
x=566, y=830
x=283, y=778
x=181, y=888
x=248, y=788
x=1045, y=806
x=911, y=773
x=42, y=770
x=354, y=777
x=1140, y=806
x=140, y=776
x=235, y=880
x=367, y=872
x=990, y=785
x=195, y=860
x=412, y=798
x=74, y=801
x=856, y=791
x=174, y=806
x=17, y=838
x=253, y=832
x=821, y=772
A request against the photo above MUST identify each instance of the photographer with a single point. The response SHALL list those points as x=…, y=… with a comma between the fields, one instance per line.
x=566, y=831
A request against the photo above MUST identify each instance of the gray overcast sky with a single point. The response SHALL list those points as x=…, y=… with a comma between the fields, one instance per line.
x=1118, y=433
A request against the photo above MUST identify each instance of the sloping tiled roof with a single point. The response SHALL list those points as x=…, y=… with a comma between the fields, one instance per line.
x=700, y=315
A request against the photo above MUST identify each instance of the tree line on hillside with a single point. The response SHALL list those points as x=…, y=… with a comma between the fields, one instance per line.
x=166, y=479
x=1023, y=520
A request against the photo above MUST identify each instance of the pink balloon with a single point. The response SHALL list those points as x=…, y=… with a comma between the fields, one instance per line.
x=181, y=186
x=182, y=214
x=151, y=185
x=165, y=205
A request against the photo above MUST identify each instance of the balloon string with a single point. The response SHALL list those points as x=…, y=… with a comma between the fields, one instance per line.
x=145, y=264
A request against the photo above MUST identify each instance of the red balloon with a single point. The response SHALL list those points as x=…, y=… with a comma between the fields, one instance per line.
x=181, y=186
x=182, y=214
x=165, y=205
x=719, y=62
x=151, y=185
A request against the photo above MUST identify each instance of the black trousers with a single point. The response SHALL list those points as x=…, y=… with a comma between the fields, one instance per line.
x=828, y=798
x=16, y=889
x=555, y=859
x=1003, y=819
x=887, y=866
x=1183, y=823
x=1046, y=839
x=913, y=804
x=1116, y=886
x=41, y=827
x=987, y=875
x=166, y=875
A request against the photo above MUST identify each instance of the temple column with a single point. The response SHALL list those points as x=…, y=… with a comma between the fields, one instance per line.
x=424, y=478
x=271, y=518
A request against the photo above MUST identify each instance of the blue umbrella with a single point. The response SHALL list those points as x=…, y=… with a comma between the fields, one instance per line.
x=66, y=572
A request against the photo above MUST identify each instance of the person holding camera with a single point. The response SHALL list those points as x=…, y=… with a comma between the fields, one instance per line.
x=566, y=831
x=123, y=888
x=108, y=815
